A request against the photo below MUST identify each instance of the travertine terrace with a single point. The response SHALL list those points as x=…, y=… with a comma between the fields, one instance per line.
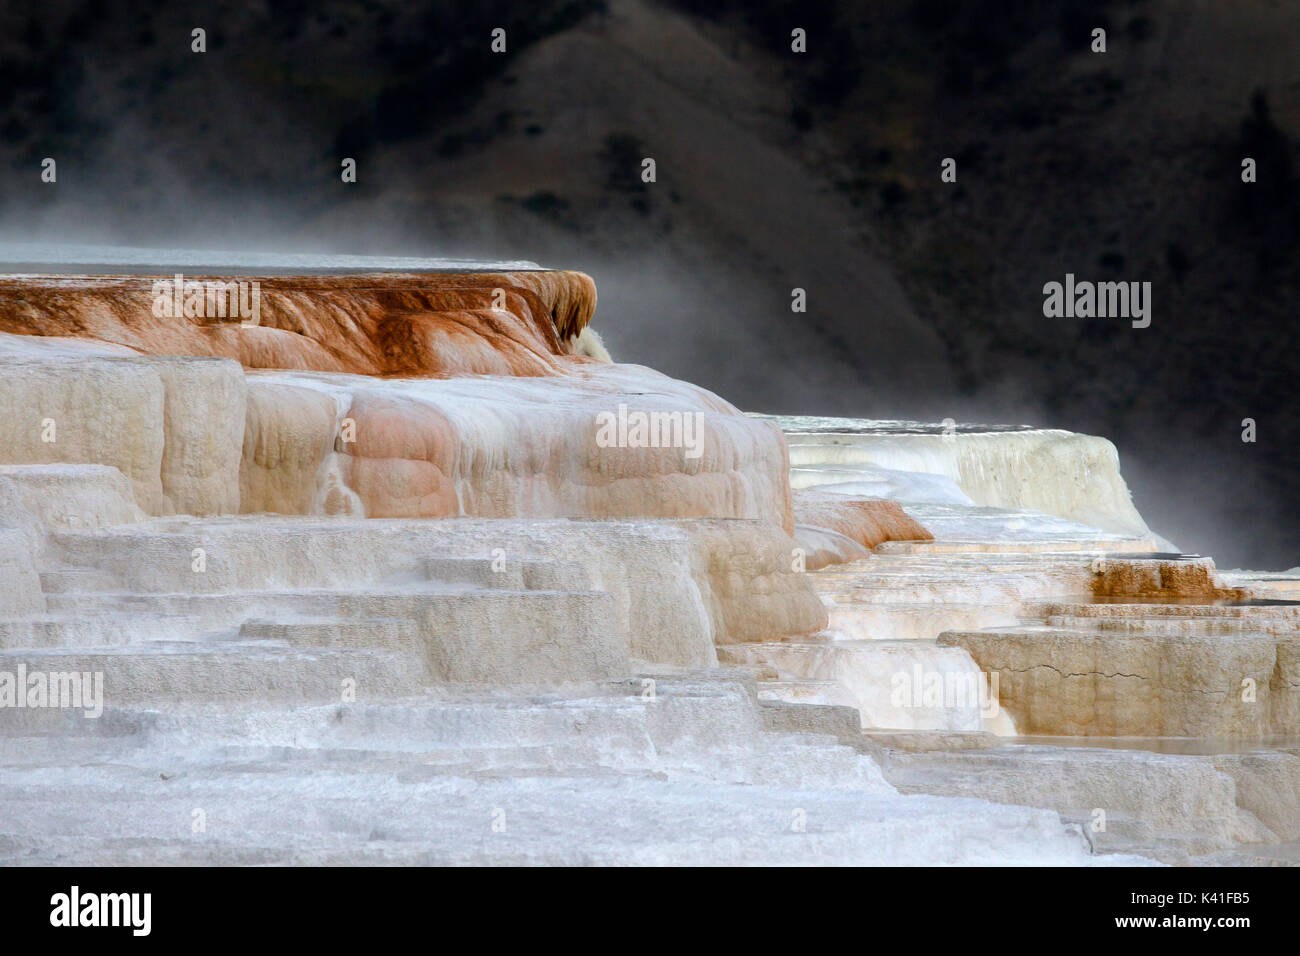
x=362, y=585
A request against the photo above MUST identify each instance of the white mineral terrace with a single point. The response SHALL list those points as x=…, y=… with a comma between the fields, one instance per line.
x=552, y=652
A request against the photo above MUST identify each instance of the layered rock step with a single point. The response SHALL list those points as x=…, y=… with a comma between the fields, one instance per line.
x=475, y=636
x=1224, y=669
x=893, y=618
x=686, y=774
x=209, y=605
x=482, y=415
x=1159, y=694
x=676, y=586
x=884, y=680
x=1200, y=801
x=233, y=672
x=1090, y=626
x=80, y=627
x=1045, y=472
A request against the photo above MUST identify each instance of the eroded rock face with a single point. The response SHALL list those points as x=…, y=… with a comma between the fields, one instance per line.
x=408, y=397
x=1174, y=807
x=91, y=410
x=835, y=528
x=1054, y=472
x=1175, y=577
x=596, y=594
x=503, y=447
x=201, y=436
x=38, y=499
x=442, y=324
x=693, y=778
x=1079, y=683
x=497, y=411
x=1135, y=669
x=751, y=582
x=287, y=446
